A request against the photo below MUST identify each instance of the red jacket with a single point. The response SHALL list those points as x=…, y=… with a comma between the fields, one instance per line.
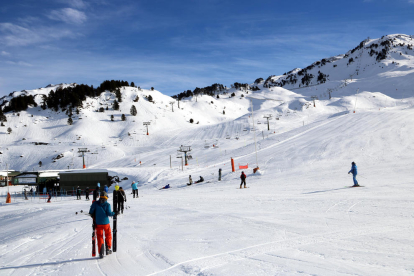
x=243, y=176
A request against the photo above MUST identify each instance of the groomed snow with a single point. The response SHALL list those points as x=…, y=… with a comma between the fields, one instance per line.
x=298, y=216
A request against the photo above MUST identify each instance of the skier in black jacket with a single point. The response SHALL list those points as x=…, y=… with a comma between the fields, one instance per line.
x=97, y=192
x=87, y=193
x=121, y=199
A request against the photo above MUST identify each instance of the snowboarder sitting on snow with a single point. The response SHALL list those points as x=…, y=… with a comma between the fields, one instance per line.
x=354, y=173
x=243, y=180
x=96, y=192
x=166, y=187
x=200, y=180
x=134, y=188
x=100, y=211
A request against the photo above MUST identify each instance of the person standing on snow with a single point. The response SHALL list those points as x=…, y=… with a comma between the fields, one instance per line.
x=25, y=195
x=354, y=174
x=243, y=180
x=96, y=192
x=134, y=188
x=219, y=179
x=100, y=211
x=87, y=193
x=121, y=199
x=115, y=199
x=78, y=193
x=50, y=195
x=190, y=180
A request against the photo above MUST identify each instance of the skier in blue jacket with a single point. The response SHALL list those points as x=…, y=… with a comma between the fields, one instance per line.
x=354, y=173
x=100, y=211
x=134, y=188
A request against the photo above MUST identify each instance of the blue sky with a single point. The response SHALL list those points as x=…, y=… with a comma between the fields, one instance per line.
x=179, y=45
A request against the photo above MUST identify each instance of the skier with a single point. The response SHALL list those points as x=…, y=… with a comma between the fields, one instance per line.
x=243, y=179
x=31, y=192
x=115, y=199
x=100, y=211
x=219, y=179
x=78, y=193
x=50, y=195
x=96, y=192
x=87, y=193
x=354, y=174
x=121, y=199
x=134, y=188
x=200, y=180
x=190, y=180
x=25, y=194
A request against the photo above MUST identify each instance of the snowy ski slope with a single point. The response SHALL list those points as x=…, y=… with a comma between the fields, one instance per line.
x=298, y=216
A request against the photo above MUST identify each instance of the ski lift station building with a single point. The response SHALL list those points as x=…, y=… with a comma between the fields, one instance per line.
x=83, y=178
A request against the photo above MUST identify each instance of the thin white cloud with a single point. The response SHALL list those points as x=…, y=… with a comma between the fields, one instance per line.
x=78, y=4
x=4, y=53
x=20, y=63
x=14, y=35
x=411, y=1
x=68, y=15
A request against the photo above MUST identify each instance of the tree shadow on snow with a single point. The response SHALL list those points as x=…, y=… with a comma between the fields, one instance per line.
x=46, y=264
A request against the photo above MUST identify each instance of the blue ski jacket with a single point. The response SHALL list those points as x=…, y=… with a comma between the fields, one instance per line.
x=353, y=170
x=101, y=212
x=134, y=186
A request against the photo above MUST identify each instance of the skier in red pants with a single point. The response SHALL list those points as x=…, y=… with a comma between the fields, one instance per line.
x=100, y=211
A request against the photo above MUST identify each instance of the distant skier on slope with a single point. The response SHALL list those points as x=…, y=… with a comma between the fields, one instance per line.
x=190, y=180
x=200, y=180
x=243, y=179
x=100, y=211
x=354, y=174
x=219, y=175
x=134, y=188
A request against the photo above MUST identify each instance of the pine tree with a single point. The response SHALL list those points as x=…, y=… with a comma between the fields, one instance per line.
x=133, y=110
x=116, y=105
x=3, y=117
x=9, y=130
x=70, y=121
x=112, y=118
x=123, y=118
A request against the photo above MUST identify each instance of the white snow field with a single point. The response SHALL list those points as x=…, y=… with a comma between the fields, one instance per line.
x=297, y=217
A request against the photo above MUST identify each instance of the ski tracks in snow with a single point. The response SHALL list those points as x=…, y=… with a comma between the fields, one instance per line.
x=207, y=262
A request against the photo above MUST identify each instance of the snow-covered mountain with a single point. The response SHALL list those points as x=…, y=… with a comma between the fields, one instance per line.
x=298, y=215
x=379, y=70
